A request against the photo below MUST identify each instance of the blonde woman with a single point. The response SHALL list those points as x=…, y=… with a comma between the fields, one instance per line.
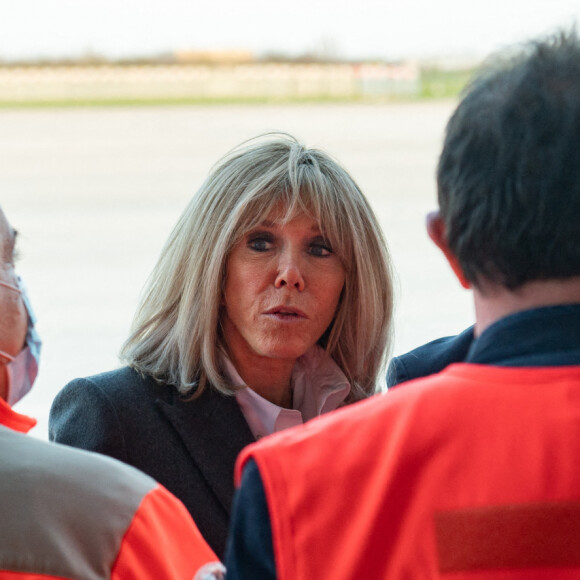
x=271, y=304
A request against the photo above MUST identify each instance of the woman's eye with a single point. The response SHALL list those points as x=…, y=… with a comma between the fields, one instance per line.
x=320, y=249
x=260, y=244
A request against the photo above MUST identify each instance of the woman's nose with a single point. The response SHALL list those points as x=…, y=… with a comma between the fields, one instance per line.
x=289, y=271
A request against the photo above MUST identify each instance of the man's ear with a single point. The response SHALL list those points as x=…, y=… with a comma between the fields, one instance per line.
x=436, y=231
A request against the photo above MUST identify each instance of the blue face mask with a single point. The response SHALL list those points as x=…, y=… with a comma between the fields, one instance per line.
x=22, y=369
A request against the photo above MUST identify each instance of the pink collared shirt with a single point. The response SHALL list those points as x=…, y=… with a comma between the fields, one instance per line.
x=318, y=384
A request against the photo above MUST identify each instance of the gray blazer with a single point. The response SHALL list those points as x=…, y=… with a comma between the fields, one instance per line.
x=190, y=447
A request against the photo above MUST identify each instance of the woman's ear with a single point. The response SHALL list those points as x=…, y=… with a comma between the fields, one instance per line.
x=436, y=231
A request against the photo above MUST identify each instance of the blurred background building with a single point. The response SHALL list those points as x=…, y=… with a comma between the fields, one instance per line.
x=205, y=76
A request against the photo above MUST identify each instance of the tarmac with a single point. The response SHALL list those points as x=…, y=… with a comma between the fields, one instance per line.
x=95, y=192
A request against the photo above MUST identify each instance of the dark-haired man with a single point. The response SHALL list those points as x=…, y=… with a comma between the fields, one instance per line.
x=473, y=471
x=68, y=513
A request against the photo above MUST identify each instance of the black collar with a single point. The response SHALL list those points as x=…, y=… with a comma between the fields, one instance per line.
x=548, y=336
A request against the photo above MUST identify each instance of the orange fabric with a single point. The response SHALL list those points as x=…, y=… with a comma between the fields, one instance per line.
x=355, y=494
x=153, y=545
x=16, y=421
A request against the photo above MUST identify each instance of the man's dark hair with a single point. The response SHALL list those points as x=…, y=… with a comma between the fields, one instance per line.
x=509, y=174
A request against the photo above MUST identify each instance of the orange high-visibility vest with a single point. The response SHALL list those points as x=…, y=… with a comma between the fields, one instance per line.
x=67, y=513
x=471, y=473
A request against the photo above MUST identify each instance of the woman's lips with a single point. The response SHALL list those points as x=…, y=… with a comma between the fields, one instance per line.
x=287, y=313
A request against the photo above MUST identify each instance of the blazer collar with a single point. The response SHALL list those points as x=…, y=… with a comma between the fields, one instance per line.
x=214, y=431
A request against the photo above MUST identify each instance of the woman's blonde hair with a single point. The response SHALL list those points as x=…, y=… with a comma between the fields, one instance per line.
x=176, y=335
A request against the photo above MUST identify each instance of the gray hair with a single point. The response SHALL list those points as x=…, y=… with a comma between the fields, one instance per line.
x=176, y=335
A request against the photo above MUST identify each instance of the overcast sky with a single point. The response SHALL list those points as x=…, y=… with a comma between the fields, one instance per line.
x=353, y=29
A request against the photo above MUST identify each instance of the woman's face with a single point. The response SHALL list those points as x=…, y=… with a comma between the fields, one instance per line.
x=283, y=285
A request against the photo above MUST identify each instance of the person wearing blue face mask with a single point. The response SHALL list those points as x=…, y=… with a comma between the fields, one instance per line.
x=21, y=369
x=68, y=513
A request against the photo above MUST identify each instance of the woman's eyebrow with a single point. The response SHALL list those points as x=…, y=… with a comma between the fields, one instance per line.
x=272, y=224
x=266, y=224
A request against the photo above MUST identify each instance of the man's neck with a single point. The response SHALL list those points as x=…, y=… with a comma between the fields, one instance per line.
x=493, y=302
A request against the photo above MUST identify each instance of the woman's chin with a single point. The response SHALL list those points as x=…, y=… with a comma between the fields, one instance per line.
x=287, y=351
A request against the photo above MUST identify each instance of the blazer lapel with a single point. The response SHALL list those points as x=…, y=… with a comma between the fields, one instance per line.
x=214, y=432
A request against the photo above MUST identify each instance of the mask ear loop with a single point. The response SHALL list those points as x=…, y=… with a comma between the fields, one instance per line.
x=6, y=356
x=11, y=287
